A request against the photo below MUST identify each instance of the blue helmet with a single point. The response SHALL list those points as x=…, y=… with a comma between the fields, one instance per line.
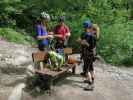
x=87, y=24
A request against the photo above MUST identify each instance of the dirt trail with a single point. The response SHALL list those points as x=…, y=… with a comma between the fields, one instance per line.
x=112, y=83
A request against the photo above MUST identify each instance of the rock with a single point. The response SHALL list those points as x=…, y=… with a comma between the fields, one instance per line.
x=20, y=60
x=17, y=92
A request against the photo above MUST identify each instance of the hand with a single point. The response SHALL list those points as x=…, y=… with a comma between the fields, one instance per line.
x=68, y=34
x=58, y=36
x=50, y=36
x=84, y=42
x=50, y=33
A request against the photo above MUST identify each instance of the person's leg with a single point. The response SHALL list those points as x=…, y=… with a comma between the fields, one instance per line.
x=89, y=82
x=92, y=72
x=84, y=62
x=88, y=74
x=90, y=78
x=83, y=67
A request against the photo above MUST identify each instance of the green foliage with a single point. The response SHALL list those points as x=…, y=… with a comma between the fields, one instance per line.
x=113, y=17
x=116, y=44
x=13, y=36
x=8, y=10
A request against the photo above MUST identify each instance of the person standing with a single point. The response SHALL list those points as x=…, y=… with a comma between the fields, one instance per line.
x=88, y=42
x=96, y=32
x=89, y=25
x=62, y=33
x=41, y=32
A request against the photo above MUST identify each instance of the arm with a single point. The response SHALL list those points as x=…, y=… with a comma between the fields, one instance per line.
x=39, y=36
x=57, y=35
x=54, y=35
x=68, y=34
x=43, y=37
x=50, y=33
x=84, y=42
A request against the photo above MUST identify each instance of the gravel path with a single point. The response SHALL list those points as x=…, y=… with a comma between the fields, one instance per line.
x=112, y=83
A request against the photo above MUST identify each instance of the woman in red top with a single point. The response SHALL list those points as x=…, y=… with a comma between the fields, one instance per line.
x=62, y=33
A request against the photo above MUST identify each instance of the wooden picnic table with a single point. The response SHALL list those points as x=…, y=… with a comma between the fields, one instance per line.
x=48, y=73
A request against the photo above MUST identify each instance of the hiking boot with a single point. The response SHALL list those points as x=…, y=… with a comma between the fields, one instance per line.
x=89, y=88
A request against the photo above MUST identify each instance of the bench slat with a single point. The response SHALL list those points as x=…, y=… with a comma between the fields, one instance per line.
x=39, y=56
x=49, y=72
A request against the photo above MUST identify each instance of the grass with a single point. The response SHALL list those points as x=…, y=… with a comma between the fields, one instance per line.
x=12, y=36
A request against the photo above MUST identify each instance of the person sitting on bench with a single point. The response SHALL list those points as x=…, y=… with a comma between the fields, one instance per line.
x=56, y=60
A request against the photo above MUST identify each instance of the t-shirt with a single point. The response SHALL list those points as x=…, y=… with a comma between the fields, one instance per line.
x=90, y=38
x=41, y=31
x=61, y=30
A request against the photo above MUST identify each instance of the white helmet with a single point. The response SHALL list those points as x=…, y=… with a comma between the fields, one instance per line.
x=46, y=16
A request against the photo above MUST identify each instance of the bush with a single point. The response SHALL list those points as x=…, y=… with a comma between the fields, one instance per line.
x=13, y=36
x=116, y=43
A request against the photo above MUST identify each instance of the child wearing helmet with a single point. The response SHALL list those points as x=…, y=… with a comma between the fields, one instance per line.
x=57, y=60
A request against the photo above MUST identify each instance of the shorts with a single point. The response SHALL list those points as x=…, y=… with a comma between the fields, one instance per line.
x=88, y=58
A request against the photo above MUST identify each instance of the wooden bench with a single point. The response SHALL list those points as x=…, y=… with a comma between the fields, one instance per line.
x=39, y=57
